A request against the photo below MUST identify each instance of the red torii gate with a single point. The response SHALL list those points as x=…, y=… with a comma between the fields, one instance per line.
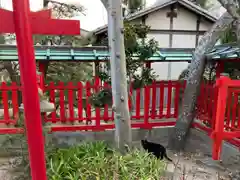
x=24, y=23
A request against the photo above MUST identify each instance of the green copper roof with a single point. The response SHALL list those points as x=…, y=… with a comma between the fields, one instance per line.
x=226, y=51
x=54, y=53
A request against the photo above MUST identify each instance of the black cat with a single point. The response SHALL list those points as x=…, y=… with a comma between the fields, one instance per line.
x=156, y=149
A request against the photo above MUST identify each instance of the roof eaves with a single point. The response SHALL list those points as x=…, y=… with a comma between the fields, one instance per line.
x=197, y=9
x=156, y=7
x=150, y=9
x=140, y=13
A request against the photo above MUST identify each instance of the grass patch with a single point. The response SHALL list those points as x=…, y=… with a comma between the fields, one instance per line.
x=95, y=161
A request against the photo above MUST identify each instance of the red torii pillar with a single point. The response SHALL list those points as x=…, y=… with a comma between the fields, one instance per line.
x=25, y=23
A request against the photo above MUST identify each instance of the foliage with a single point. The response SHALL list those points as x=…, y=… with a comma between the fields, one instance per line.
x=68, y=71
x=201, y=3
x=86, y=161
x=98, y=161
x=228, y=36
x=134, y=5
x=2, y=39
x=138, y=50
x=65, y=71
x=102, y=98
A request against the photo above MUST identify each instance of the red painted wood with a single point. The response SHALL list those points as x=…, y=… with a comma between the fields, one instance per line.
x=14, y=90
x=109, y=126
x=234, y=109
x=80, y=102
x=154, y=103
x=220, y=116
x=138, y=103
x=169, y=100
x=70, y=88
x=97, y=86
x=11, y=130
x=5, y=103
x=229, y=105
x=129, y=99
x=146, y=106
x=238, y=124
x=51, y=88
x=33, y=122
x=176, y=99
x=88, y=94
x=62, y=102
x=42, y=69
x=161, y=99
x=208, y=115
x=38, y=22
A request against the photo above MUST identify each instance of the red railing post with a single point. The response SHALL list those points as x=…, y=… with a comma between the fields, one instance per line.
x=217, y=135
x=154, y=103
x=88, y=104
x=15, y=102
x=97, y=85
x=176, y=99
x=161, y=99
x=80, y=100
x=71, y=112
x=146, y=106
x=169, y=99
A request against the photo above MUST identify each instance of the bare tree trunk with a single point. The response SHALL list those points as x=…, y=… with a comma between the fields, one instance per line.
x=123, y=123
x=195, y=71
x=123, y=134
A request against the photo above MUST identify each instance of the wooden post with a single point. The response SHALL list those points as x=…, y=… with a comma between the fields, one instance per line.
x=222, y=85
x=27, y=64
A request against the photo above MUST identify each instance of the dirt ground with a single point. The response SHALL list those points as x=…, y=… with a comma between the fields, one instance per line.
x=197, y=166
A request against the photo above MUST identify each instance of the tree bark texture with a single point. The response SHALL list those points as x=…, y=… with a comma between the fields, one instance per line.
x=232, y=7
x=123, y=133
x=195, y=71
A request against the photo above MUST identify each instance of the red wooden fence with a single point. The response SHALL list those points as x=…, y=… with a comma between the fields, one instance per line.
x=227, y=125
x=153, y=106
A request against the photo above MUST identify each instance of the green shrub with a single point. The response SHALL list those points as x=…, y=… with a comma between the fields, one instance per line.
x=95, y=161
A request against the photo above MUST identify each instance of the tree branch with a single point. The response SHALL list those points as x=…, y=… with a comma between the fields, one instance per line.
x=231, y=8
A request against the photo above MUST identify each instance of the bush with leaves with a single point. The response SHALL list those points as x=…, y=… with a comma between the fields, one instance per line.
x=98, y=161
x=138, y=50
x=89, y=160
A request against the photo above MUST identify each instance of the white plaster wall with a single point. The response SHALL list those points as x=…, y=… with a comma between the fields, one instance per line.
x=184, y=41
x=185, y=20
x=158, y=19
x=161, y=69
x=162, y=39
x=181, y=41
x=177, y=68
x=205, y=25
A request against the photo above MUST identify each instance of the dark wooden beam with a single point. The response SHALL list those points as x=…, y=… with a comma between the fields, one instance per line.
x=173, y=31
